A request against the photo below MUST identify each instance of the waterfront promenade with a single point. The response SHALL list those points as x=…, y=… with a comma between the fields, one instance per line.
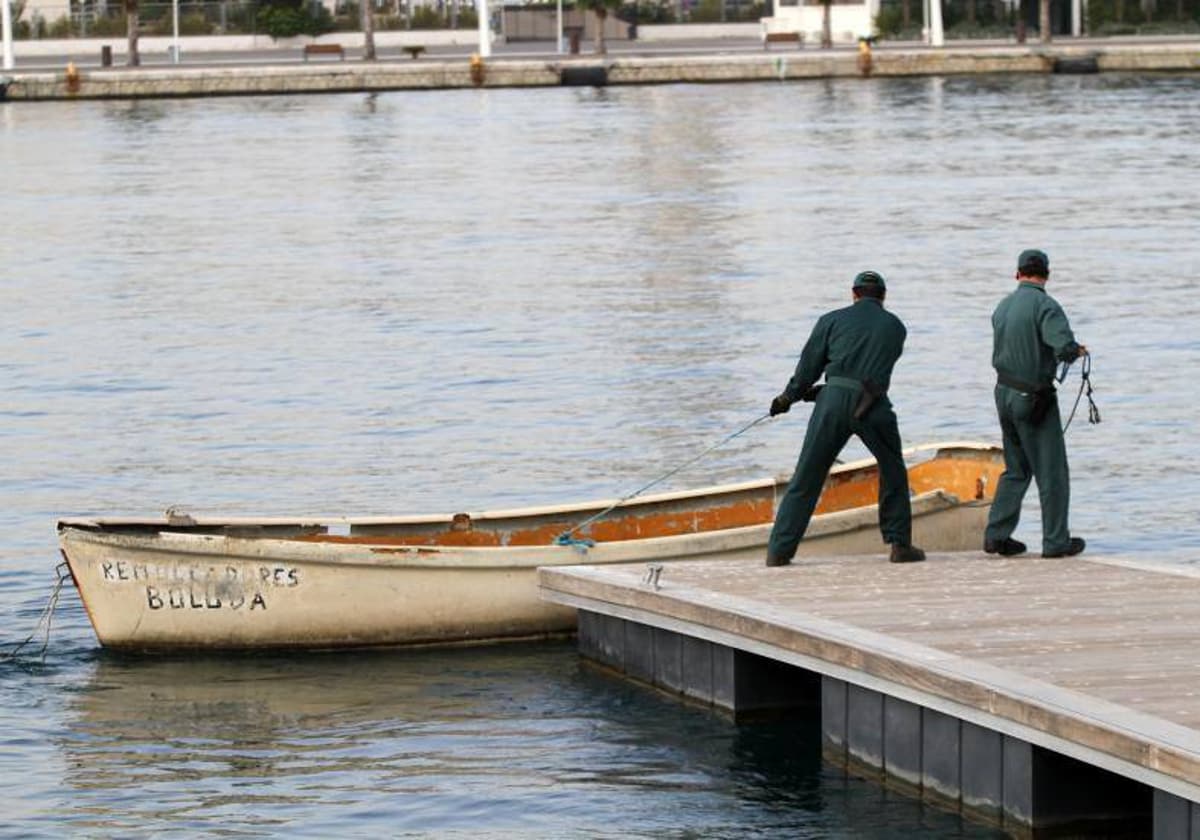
x=270, y=70
x=1029, y=692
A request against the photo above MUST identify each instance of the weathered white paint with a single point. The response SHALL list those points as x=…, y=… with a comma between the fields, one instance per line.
x=152, y=588
x=192, y=590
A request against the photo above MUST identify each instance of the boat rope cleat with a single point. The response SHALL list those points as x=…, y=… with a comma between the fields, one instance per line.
x=653, y=573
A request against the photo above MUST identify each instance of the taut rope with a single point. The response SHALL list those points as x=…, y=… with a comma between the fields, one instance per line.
x=45, y=619
x=565, y=537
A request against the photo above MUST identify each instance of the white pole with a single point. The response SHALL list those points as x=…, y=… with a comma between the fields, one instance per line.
x=175, y=31
x=558, y=36
x=6, y=25
x=1076, y=17
x=485, y=33
x=937, y=37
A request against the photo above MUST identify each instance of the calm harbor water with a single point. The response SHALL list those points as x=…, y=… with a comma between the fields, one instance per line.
x=457, y=301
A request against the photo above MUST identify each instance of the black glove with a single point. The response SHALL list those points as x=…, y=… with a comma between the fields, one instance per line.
x=811, y=394
x=780, y=405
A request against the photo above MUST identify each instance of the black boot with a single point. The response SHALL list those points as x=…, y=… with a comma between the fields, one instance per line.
x=772, y=560
x=1006, y=547
x=905, y=553
x=1075, y=547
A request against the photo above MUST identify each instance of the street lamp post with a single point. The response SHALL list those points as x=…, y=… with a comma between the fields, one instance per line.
x=6, y=25
x=937, y=36
x=485, y=41
x=558, y=36
x=175, y=31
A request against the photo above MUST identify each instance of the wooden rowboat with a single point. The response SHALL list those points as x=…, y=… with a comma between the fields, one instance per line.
x=184, y=582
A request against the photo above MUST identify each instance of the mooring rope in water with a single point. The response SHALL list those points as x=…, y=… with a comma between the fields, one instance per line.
x=46, y=617
x=1085, y=385
x=565, y=537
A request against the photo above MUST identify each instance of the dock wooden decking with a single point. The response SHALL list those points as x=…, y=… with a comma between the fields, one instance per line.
x=1097, y=659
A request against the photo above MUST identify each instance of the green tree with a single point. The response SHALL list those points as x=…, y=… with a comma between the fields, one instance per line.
x=287, y=18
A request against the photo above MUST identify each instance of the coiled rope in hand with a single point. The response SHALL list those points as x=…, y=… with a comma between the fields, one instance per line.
x=1085, y=386
x=44, y=619
x=565, y=537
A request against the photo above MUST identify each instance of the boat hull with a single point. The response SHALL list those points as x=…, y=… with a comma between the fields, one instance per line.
x=165, y=590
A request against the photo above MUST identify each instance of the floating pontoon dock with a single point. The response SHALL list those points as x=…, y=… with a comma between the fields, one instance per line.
x=1034, y=693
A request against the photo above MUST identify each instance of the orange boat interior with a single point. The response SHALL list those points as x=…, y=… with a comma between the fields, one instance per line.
x=967, y=474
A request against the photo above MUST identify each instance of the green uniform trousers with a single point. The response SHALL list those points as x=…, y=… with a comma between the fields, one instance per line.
x=829, y=427
x=1031, y=453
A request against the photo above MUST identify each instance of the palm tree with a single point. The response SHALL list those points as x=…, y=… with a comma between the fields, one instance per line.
x=600, y=8
x=368, y=26
x=132, y=57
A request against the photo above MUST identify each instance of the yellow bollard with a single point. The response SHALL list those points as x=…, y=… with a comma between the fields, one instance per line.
x=477, y=69
x=72, y=77
x=864, y=56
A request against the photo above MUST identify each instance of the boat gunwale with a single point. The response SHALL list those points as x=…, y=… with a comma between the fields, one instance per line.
x=344, y=555
x=937, y=450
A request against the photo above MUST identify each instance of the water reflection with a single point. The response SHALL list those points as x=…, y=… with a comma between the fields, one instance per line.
x=502, y=739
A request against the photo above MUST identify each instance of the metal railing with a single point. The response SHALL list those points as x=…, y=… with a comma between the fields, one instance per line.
x=230, y=17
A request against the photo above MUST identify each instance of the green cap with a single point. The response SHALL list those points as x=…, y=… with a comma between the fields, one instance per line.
x=1033, y=263
x=869, y=278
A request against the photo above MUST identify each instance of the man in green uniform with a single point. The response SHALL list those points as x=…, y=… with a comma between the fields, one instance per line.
x=856, y=348
x=1031, y=334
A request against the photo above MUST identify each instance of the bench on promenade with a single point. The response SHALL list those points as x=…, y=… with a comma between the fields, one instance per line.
x=782, y=37
x=324, y=49
x=414, y=51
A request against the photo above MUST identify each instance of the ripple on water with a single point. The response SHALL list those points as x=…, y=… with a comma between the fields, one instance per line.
x=481, y=299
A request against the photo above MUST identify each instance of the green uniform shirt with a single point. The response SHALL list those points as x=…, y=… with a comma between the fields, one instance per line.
x=861, y=341
x=1030, y=332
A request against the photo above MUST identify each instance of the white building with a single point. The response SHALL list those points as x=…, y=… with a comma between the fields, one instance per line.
x=849, y=21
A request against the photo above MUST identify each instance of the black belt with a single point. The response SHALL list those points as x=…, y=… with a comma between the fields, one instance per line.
x=1021, y=385
x=1043, y=396
x=868, y=392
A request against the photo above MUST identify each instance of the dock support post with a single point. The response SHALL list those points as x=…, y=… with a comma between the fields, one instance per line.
x=833, y=719
x=739, y=682
x=982, y=771
x=1175, y=817
x=941, y=760
x=991, y=777
x=902, y=734
x=864, y=729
